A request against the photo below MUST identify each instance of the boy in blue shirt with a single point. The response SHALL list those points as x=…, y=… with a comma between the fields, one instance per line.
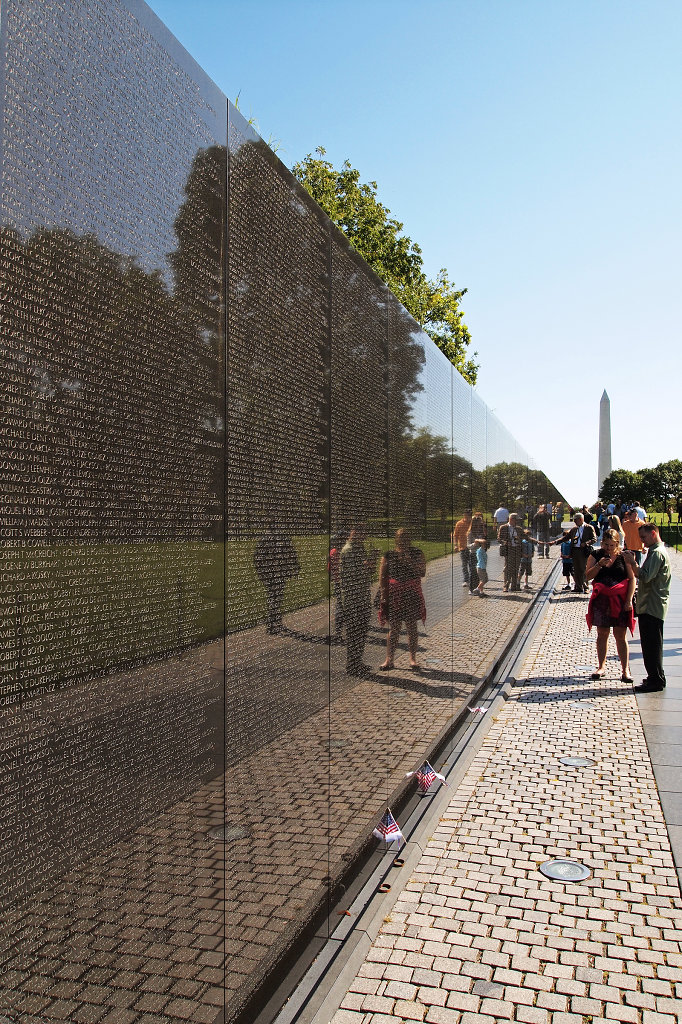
x=481, y=551
x=526, y=566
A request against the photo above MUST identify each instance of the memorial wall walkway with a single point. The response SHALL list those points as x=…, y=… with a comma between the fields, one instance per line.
x=204, y=389
x=166, y=918
x=473, y=930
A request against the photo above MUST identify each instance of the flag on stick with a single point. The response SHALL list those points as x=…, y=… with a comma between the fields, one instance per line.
x=426, y=776
x=388, y=828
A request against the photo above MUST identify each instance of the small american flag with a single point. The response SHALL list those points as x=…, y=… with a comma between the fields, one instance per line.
x=426, y=776
x=388, y=828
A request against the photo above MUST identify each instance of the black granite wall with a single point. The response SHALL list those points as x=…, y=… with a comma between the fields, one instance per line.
x=204, y=391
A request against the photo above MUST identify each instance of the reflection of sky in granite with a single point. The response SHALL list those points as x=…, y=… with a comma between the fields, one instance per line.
x=483, y=438
x=139, y=482
x=88, y=163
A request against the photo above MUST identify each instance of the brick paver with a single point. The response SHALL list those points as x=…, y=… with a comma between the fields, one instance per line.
x=153, y=926
x=487, y=930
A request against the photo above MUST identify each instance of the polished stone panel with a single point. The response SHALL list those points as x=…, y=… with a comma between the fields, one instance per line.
x=112, y=229
x=215, y=420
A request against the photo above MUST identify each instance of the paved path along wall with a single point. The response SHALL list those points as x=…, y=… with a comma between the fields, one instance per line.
x=478, y=934
x=204, y=389
x=136, y=932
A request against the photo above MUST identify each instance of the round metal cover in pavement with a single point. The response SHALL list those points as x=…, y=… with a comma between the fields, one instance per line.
x=229, y=833
x=577, y=762
x=564, y=870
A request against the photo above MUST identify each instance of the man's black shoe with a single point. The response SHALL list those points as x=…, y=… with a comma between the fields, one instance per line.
x=648, y=687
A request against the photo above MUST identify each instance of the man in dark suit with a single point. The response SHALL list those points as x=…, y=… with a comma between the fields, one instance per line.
x=510, y=536
x=582, y=537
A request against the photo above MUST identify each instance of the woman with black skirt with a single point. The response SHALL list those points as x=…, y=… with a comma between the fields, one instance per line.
x=610, y=604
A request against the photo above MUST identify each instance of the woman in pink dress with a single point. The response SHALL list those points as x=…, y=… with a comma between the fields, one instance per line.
x=402, y=599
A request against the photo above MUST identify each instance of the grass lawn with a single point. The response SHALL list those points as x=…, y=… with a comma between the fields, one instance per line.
x=82, y=610
x=662, y=519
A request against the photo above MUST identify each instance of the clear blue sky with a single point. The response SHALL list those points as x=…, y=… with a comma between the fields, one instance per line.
x=534, y=149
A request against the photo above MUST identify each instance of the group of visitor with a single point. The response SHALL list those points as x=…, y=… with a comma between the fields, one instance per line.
x=518, y=542
x=621, y=556
x=630, y=576
x=470, y=539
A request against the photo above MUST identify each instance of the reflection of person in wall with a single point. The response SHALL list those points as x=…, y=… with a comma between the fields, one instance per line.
x=501, y=516
x=478, y=530
x=357, y=570
x=402, y=599
x=460, y=535
x=276, y=562
x=526, y=564
x=334, y=570
x=510, y=536
x=541, y=524
x=481, y=549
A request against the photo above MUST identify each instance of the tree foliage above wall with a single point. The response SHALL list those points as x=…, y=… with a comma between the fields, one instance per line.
x=354, y=207
x=655, y=486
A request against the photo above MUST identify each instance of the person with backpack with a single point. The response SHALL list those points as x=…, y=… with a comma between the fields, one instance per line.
x=526, y=564
x=566, y=563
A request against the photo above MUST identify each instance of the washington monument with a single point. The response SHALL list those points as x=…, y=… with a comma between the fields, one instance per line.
x=604, y=467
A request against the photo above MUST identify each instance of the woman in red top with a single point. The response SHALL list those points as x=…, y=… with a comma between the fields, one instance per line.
x=402, y=599
x=610, y=605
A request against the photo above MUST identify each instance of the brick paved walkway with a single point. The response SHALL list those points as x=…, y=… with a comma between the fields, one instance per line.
x=163, y=923
x=479, y=934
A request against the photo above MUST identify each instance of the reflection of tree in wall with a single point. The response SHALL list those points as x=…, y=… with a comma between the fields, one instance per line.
x=311, y=360
x=277, y=340
x=115, y=381
x=512, y=484
x=406, y=361
x=423, y=466
x=359, y=442
x=198, y=266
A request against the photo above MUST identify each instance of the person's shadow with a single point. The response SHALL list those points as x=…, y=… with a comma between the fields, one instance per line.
x=544, y=692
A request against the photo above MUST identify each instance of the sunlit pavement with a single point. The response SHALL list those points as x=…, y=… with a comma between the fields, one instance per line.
x=478, y=933
x=164, y=922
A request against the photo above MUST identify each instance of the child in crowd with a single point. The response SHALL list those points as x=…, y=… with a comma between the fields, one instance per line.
x=481, y=550
x=526, y=566
x=567, y=563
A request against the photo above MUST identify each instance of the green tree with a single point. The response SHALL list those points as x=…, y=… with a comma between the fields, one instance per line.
x=660, y=483
x=354, y=207
x=622, y=485
x=671, y=479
